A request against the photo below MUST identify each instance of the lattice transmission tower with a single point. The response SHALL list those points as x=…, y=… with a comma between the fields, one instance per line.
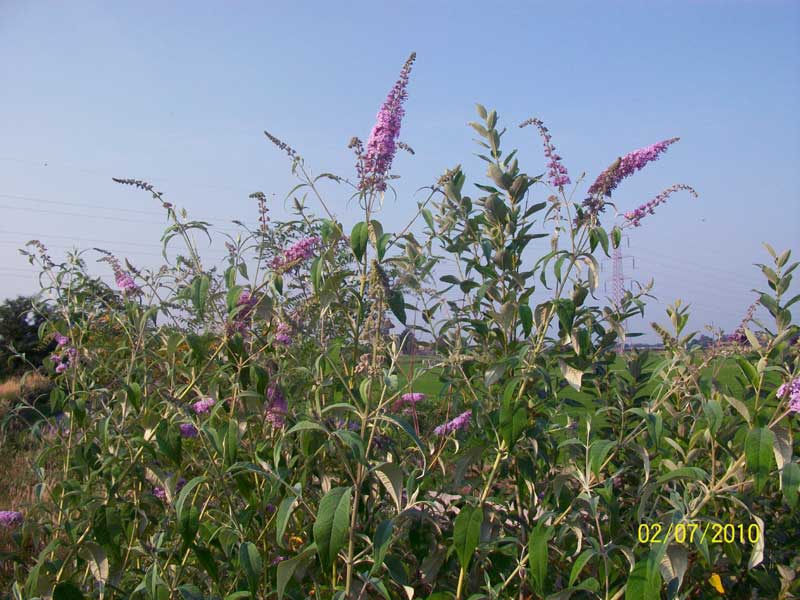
x=618, y=277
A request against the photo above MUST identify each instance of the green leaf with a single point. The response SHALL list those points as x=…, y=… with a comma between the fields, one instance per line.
x=749, y=371
x=684, y=473
x=644, y=582
x=538, y=556
x=305, y=425
x=426, y=214
x=383, y=242
x=286, y=569
x=199, y=293
x=332, y=524
x=513, y=419
x=184, y=494
x=713, y=412
x=250, y=561
x=206, y=560
x=790, y=482
x=578, y=565
x=316, y=274
x=190, y=592
x=598, y=453
x=526, y=318
x=282, y=518
x=380, y=544
x=616, y=236
x=391, y=476
x=398, y=305
x=739, y=406
x=467, y=533
x=188, y=524
x=67, y=591
x=758, y=454
x=358, y=239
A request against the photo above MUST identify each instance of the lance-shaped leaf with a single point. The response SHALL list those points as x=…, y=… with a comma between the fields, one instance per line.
x=332, y=524
x=467, y=533
x=758, y=454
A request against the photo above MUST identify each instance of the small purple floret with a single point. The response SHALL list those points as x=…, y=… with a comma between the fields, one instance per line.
x=203, y=406
x=188, y=430
x=460, y=422
x=10, y=518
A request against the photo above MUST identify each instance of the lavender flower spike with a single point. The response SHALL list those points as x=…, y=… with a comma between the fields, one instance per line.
x=382, y=143
x=626, y=166
x=276, y=407
x=460, y=422
x=188, y=430
x=557, y=173
x=635, y=217
x=793, y=389
x=10, y=518
x=203, y=406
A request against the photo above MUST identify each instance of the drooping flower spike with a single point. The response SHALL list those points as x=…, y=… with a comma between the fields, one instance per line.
x=635, y=217
x=626, y=166
x=557, y=172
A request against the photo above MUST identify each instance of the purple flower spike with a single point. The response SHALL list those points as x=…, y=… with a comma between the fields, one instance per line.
x=61, y=340
x=557, y=172
x=382, y=145
x=10, y=518
x=203, y=406
x=283, y=334
x=276, y=406
x=460, y=422
x=296, y=253
x=791, y=389
x=626, y=166
x=635, y=217
x=188, y=430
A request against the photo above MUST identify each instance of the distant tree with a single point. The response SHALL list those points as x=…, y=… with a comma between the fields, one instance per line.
x=19, y=334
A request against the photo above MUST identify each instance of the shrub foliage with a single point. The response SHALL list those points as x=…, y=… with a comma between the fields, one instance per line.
x=252, y=430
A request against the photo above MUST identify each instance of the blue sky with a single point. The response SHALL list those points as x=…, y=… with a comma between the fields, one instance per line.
x=179, y=93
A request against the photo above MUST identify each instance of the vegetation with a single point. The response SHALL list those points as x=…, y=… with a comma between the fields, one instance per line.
x=252, y=431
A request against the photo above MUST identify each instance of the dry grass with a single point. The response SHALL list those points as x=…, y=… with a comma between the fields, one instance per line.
x=31, y=387
x=18, y=451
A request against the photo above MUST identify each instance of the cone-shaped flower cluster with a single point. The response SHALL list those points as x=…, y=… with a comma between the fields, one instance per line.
x=460, y=422
x=10, y=518
x=203, y=406
x=792, y=390
x=296, y=253
x=276, y=406
x=382, y=144
x=626, y=166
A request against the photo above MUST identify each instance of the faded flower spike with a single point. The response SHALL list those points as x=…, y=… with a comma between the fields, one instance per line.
x=282, y=145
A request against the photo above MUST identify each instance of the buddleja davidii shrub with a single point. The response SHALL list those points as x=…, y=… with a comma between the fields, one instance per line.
x=509, y=365
x=133, y=442
x=735, y=436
